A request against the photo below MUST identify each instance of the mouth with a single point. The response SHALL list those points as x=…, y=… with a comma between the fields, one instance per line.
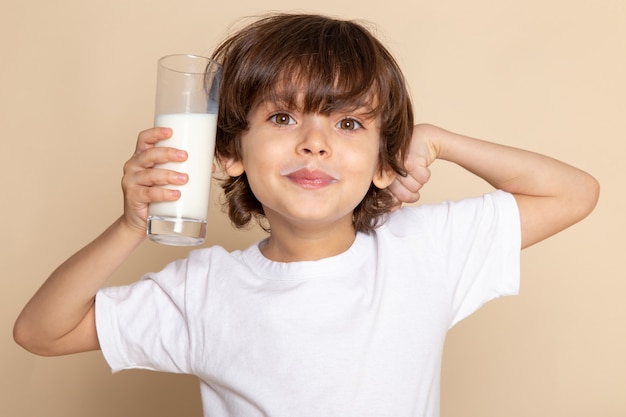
x=310, y=178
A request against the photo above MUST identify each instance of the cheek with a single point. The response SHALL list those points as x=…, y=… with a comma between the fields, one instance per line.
x=255, y=169
x=366, y=162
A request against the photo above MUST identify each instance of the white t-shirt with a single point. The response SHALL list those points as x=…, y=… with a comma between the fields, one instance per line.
x=358, y=334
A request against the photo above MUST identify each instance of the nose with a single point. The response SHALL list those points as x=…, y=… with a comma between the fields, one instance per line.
x=314, y=138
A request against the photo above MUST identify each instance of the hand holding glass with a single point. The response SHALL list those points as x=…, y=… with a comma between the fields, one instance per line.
x=187, y=102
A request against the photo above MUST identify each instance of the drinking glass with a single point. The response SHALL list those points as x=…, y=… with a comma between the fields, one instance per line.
x=186, y=101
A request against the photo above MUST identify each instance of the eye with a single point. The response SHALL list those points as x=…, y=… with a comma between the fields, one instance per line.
x=349, y=124
x=282, y=119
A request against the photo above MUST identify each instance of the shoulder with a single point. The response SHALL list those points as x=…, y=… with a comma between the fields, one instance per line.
x=494, y=206
x=177, y=274
x=498, y=200
x=180, y=279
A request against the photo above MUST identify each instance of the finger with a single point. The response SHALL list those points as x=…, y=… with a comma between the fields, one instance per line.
x=396, y=205
x=409, y=182
x=402, y=193
x=133, y=182
x=146, y=195
x=154, y=156
x=138, y=198
x=149, y=137
x=156, y=176
x=416, y=178
x=421, y=175
x=136, y=208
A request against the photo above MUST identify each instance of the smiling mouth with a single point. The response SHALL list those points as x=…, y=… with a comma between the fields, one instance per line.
x=310, y=179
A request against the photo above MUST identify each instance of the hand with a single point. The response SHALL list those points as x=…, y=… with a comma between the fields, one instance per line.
x=140, y=176
x=422, y=153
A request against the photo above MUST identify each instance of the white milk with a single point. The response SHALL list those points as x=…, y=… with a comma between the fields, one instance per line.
x=195, y=133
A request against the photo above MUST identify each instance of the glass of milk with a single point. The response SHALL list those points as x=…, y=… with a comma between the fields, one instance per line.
x=186, y=101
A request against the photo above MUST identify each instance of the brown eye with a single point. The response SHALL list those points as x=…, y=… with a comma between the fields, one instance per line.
x=282, y=119
x=348, y=124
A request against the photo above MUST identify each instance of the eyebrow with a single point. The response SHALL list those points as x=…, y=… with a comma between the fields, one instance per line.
x=291, y=104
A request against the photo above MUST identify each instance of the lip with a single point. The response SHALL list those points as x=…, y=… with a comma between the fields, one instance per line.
x=310, y=178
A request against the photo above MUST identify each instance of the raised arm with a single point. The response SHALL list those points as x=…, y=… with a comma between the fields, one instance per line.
x=59, y=319
x=551, y=195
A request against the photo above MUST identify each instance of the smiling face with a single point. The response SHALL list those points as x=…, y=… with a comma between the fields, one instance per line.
x=310, y=170
x=317, y=66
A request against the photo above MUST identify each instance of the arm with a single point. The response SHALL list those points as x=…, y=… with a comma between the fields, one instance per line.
x=60, y=319
x=551, y=195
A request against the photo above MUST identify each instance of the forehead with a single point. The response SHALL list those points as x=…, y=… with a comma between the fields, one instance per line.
x=305, y=91
x=310, y=62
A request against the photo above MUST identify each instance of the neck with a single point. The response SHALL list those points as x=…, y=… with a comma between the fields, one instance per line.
x=289, y=243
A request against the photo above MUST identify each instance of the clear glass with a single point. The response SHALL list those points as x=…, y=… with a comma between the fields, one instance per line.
x=187, y=96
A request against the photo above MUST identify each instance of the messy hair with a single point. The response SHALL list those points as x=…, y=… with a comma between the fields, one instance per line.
x=322, y=65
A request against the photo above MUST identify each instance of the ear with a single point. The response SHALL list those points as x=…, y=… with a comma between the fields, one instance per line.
x=383, y=177
x=231, y=166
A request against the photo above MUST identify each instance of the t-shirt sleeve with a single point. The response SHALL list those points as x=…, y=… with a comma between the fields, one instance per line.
x=143, y=325
x=482, y=245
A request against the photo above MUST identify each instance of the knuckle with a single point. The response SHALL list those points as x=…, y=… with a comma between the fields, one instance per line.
x=410, y=165
x=127, y=166
x=145, y=194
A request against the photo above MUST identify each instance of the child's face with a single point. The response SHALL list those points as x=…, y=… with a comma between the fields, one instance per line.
x=310, y=169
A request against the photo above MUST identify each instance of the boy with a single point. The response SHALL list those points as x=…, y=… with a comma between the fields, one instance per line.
x=344, y=308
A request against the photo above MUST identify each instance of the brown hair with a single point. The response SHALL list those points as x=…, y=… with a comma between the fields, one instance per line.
x=336, y=65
